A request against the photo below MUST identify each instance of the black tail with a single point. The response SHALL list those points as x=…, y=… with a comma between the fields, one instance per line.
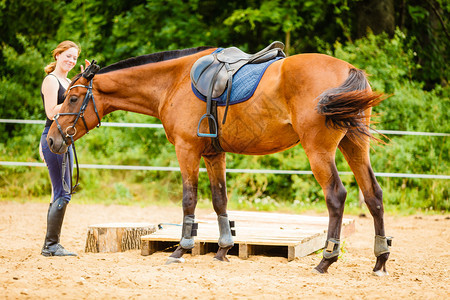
x=344, y=105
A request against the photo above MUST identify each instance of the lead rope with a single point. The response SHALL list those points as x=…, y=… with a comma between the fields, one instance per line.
x=68, y=188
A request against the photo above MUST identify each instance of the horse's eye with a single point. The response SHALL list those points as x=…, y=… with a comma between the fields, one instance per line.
x=73, y=99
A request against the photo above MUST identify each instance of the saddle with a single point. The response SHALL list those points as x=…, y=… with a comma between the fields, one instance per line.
x=212, y=74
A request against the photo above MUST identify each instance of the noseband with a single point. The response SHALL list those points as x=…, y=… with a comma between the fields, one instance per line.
x=71, y=131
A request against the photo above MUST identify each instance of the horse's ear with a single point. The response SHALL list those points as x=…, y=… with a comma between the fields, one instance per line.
x=91, y=70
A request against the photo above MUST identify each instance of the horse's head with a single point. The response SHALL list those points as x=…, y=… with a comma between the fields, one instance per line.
x=78, y=113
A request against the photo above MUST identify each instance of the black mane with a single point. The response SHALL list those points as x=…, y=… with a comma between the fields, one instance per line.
x=151, y=58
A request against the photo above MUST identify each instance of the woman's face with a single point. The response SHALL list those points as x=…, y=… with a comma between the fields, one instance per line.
x=67, y=60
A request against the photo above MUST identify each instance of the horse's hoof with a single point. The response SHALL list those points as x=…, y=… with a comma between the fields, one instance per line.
x=380, y=273
x=316, y=271
x=175, y=260
x=221, y=260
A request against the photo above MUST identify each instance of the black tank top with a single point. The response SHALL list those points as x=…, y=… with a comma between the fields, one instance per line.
x=61, y=91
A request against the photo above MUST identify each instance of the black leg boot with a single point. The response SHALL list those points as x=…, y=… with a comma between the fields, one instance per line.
x=55, y=218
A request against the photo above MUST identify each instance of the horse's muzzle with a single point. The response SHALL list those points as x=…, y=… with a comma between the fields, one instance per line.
x=56, y=144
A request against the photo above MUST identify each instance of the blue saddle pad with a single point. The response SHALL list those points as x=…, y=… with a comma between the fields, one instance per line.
x=245, y=82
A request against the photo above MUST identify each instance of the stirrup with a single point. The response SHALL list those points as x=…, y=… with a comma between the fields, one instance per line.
x=211, y=135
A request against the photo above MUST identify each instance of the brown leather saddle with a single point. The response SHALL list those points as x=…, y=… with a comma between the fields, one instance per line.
x=212, y=74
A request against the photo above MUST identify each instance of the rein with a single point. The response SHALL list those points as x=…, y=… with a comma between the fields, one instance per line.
x=69, y=188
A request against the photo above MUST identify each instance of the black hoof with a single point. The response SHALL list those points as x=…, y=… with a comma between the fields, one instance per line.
x=325, y=264
x=179, y=252
x=317, y=270
x=380, y=265
x=222, y=254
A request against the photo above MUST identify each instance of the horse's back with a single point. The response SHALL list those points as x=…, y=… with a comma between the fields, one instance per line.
x=318, y=71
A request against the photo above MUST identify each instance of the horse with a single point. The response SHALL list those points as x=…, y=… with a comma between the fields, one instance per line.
x=315, y=100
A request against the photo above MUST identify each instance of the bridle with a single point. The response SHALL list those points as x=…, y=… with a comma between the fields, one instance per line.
x=71, y=131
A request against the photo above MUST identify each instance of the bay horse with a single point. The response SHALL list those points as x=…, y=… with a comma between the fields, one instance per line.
x=316, y=100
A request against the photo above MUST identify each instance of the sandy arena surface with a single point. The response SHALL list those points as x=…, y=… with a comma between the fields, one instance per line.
x=419, y=264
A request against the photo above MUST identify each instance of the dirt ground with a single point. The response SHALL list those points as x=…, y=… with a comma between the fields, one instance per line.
x=419, y=263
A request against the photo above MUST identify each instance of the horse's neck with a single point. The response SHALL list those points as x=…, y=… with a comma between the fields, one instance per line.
x=139, y=89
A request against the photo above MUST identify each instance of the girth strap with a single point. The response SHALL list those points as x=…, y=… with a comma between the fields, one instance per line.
x=213, y=122
x=230, y=82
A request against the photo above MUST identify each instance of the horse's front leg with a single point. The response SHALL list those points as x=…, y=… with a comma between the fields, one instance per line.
x=189, y=165
x=216, y=167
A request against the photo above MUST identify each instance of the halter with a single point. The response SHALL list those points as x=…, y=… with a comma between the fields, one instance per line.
x=71, y=131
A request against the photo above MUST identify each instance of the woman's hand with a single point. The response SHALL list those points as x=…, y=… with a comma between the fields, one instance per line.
x=87, y=65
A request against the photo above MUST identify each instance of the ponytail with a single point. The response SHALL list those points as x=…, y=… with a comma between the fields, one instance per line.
x=50, y=67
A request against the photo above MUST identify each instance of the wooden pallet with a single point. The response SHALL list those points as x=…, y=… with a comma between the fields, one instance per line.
x=257, y=233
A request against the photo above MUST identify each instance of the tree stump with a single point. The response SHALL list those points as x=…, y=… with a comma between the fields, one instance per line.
x=116, y=237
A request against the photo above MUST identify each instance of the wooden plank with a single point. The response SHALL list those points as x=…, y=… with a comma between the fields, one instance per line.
x=245, y=250
x=145, y=247
x=307, y=247
x=200, y=248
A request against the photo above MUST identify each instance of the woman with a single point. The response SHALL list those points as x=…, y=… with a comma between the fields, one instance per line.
x=53, y=88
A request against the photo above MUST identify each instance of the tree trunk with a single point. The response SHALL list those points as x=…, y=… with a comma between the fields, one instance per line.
x=116, y=237
x=287, y=47
x=375, y=15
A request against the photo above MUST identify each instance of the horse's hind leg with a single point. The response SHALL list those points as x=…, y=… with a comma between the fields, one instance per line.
x=322, y=160
x=189, y=166
x=216, y=167
x=358, y=159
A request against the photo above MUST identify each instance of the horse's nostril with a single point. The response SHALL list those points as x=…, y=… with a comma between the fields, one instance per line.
x=50, y=142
